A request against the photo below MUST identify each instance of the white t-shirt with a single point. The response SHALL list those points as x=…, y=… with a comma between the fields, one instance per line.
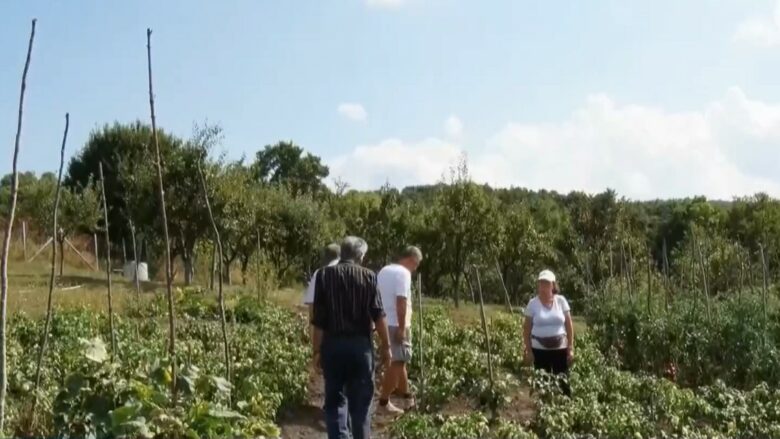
x=547, y=322
x=308, y=295
x=395, y=280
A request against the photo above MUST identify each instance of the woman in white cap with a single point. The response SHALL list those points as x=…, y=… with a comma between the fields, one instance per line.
x=548, y=331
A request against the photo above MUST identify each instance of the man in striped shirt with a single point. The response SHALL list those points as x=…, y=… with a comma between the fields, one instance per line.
x=347, y=305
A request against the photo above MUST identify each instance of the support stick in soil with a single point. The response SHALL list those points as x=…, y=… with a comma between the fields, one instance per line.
x=49, y=308
x=420, y=338
x=503, y=284
x=220, y=296
x=163, y=214
x=136, y=279
x=112, y=333
x=7, y=238
x=487, y=334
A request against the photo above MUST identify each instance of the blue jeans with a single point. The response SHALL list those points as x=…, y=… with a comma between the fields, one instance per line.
x=348, y=369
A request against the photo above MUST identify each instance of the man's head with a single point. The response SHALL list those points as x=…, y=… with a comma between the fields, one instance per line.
x=330, y=253
x=353, y=249
x=410, y=258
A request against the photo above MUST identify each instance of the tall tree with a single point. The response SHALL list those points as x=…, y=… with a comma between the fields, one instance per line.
x=287, y=164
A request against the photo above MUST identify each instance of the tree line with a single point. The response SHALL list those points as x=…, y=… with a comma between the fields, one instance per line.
x=275, y=212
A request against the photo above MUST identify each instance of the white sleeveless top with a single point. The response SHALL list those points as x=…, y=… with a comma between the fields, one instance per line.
x=547, y=322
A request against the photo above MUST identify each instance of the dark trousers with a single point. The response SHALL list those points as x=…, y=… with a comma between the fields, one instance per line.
x=554, y=361
x=348, y=369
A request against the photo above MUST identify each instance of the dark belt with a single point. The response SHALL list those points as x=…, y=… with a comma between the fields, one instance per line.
x=553, y=342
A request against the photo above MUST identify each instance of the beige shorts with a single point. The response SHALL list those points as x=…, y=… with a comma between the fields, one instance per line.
x=401, y=352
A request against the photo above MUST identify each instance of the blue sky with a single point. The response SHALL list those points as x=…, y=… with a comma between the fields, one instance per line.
x=655, y=98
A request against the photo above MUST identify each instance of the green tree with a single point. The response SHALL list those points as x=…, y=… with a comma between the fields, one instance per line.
x=286, y=164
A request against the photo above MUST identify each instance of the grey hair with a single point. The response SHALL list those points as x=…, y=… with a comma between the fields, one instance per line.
x=330, y=252
x=410, y=252
x=353, y=249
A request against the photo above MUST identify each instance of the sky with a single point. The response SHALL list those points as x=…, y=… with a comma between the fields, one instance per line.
x=655, y=99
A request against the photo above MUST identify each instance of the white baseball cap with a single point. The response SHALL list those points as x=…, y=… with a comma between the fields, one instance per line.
x=547, y=275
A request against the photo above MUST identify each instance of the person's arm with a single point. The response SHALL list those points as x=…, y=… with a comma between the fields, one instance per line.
x=569, y=324
x=403, y=295
x=569, y=333
x=528, y=325
x=380, y=324
x=319, y=318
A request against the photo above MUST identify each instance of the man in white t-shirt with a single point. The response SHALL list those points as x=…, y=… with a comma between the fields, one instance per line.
x=330, y=257
x=395, y=286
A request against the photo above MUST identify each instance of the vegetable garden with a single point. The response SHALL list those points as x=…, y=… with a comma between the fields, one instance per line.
x=679, y=297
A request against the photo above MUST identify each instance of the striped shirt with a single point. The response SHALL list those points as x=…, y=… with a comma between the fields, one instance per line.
x=346, y=300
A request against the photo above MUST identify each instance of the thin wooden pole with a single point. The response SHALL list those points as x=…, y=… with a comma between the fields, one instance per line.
x=163, y=214
x=42, y=248
x=49, y=308
x=7, y=239
x=24, y=239
x=765, y=282
x=135, y=259
x=667, y=282
x=420, y=339
x=704, y=282
x=649, y=279
x=485, y=330
x=220, y=297
x=257, y=271
x=97, y=252
x=108, y=261
x=503, y=284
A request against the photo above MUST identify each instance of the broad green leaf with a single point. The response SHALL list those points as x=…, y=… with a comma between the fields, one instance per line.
x=95, y=349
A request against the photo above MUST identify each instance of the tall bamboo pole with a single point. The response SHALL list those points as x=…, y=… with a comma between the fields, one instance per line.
x=704, y=282
x=257, y=270
x=7, y=239
x=164, y=215
x=112, y=333
x=49, y=309
x=136, y=279
x=420, y=338
x=503, y=284
x=667, y=282
x=485, y=330
x=24, y=239
x=220, y=297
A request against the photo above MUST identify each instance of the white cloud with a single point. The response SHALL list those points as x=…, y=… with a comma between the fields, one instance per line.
x=397, y=162
x=386, y=4
x=353, y=111
x=453, y=127
x=760, y=31
x=728, y=148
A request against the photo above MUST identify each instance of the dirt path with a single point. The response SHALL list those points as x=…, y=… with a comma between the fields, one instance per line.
x=307, y=422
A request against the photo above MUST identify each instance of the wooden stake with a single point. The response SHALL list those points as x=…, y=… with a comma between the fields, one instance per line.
x=112, y=333
x=220, y=296
x=7, y=240
x=43, y=247
x=49, y=309
x=135, y=259
x=163, y=214
x=503, y=284
x=649, y=279
x=97, y=254
x=75, y=250
x=667, y=282
x=420, y=338
x=485, y=330
x=24, y=239
x=704, y=282
x=257, y=273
